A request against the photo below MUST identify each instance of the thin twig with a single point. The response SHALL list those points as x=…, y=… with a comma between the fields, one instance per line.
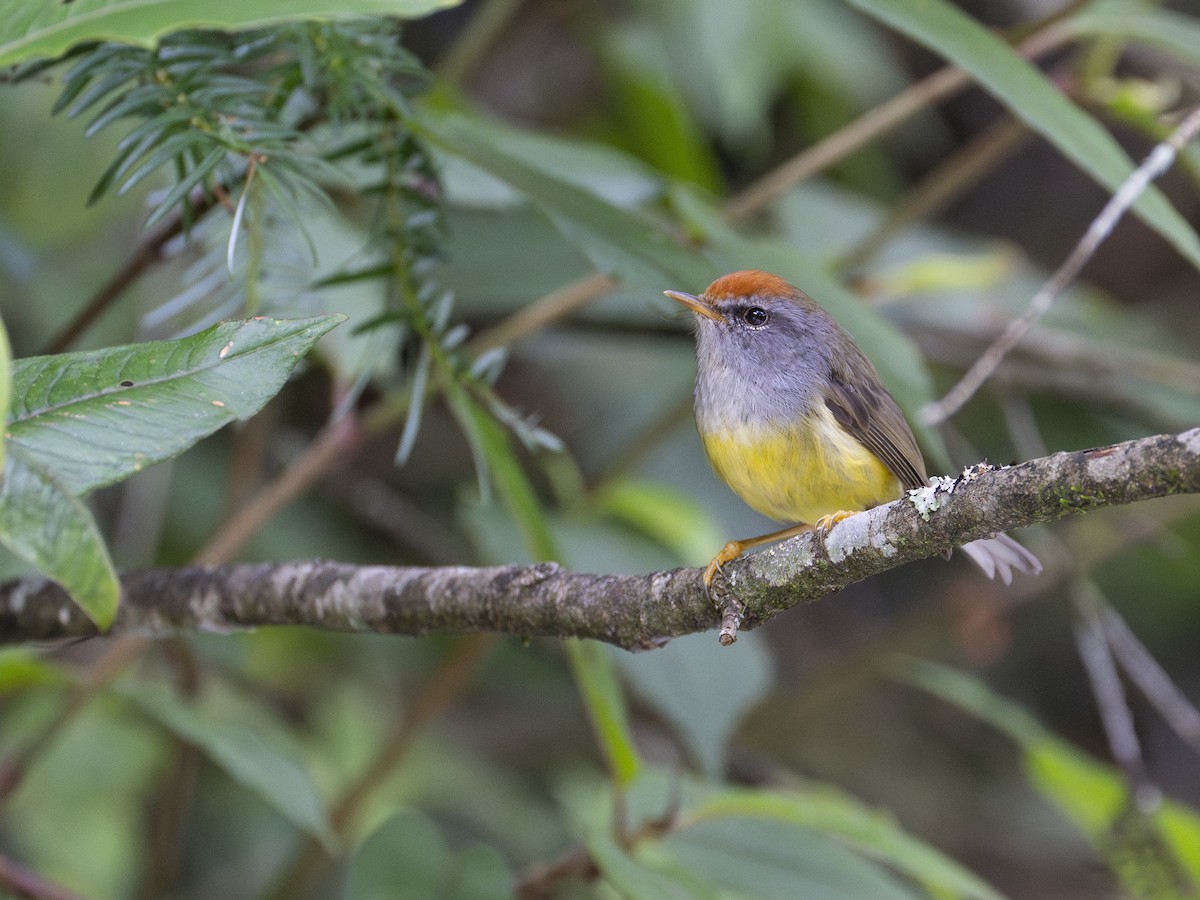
x=956, y=174
x=846, y=140
x=1115, y=714
x=322, y=453
x=148, y=252
x=329, y=447
x=815, y=159
x=871, y=125
x=488, y=20
x=558, y=304
x=1155, y=164
x=1151, y=679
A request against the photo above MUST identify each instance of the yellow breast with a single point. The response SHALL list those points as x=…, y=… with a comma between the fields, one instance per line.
x=798, y=472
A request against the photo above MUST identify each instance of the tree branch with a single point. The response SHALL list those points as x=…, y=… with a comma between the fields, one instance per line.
x=632, y=611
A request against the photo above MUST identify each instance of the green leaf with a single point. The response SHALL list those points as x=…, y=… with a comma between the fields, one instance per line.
x=243, y=739
x=762, y=858
x=663, y=514
x=596, y=678
x=407, y=858
x=868, y=831
x=1092, y=795
x=653, y=118
x=22, y=667
x=29, y=30
x=619, y=242
x=639, y=879
x=97, y=417
x=1141, y=23
x=496, y=462
x=702, y=689
x=43, y=523
x=1034, y=99
x=5, y=383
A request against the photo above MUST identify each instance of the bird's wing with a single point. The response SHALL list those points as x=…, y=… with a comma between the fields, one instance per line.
x=864, y=408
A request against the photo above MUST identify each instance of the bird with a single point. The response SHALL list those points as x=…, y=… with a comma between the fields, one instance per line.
x=796, y=420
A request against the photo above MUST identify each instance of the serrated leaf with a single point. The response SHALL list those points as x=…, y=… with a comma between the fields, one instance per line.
x=96, y=417
x=29, y=30
x=44, y=524
x=1033, y=98
x=243, y=740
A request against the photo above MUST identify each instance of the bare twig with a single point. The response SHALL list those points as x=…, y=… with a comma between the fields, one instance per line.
x=1155, y=164
x=954, y=176
x=1150, y=678
x=556, y=305
x=330, y=446
x=1115, y=714
x=148, y=252
x=635, y=611
x=871, y=125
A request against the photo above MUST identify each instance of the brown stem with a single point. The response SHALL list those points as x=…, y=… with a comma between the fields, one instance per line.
x=869, y=126
x=148, y=252
x=330, y=447
x=957, y=174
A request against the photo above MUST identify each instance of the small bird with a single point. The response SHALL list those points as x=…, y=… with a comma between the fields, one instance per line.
x=795, y=419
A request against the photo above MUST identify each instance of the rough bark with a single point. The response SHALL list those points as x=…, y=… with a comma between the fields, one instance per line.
x=632, y=611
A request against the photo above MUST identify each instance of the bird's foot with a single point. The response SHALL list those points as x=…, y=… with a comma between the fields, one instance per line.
x=822, y=526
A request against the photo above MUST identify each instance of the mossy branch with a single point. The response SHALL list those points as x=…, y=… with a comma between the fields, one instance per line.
x=632, y=611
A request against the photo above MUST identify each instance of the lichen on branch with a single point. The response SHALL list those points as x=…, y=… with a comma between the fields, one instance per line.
x=632, y=611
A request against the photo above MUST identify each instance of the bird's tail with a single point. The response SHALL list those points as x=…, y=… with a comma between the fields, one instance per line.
x=1000, y=555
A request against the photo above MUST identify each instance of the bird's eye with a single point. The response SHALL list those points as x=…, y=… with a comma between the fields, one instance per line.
x=755, y=316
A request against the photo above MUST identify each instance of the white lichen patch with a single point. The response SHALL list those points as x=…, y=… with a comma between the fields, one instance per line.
x=970, y=473
x=1191, y=440
x=934, y=495
x=778, y=567
x=880, y=541
x=848, y=535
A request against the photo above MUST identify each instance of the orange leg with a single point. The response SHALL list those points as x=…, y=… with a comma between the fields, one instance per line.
x=734, y=549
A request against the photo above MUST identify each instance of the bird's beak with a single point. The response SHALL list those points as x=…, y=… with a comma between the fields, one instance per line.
x=695, y=304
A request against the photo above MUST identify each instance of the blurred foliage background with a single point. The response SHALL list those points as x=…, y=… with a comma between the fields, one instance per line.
x=495, y=194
